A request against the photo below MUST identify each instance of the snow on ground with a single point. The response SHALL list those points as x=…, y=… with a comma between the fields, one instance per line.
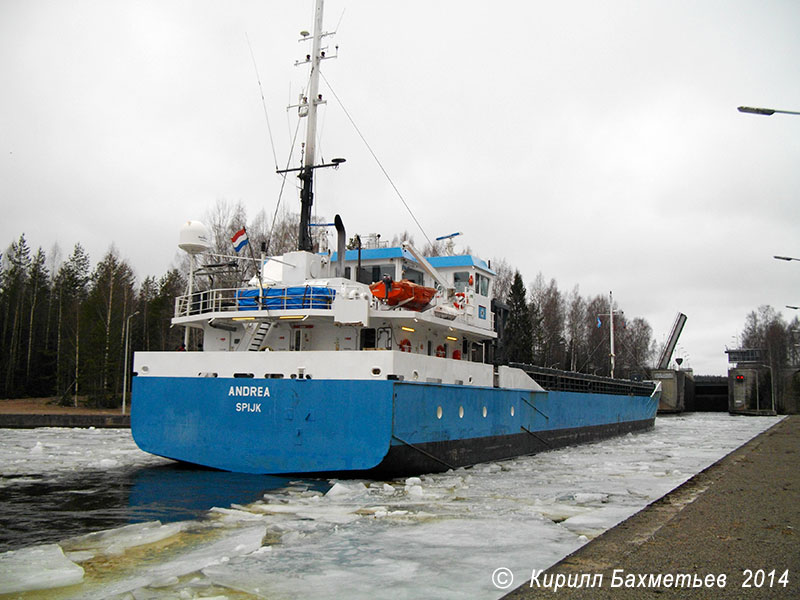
x=433, y=536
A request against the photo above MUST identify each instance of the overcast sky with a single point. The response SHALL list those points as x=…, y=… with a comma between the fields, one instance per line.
x=595, y=142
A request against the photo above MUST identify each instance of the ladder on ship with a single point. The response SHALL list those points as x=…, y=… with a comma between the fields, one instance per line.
x=258, y=336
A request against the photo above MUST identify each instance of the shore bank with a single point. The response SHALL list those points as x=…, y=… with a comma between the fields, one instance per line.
x=29, y=413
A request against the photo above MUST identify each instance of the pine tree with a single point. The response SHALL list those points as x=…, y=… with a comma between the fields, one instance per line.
x=37, y=380
x=147, y=294
x=107, y=305
x=71, y=287
x=14, y=292
x=161, y=310
x=517, y=339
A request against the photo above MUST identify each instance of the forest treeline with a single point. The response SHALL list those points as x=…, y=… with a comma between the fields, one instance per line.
x=547, y=327
x=62, y=323
x=766, y=329
x=63, y=320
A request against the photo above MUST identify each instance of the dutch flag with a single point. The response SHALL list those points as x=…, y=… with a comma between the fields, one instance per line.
x=239, y=239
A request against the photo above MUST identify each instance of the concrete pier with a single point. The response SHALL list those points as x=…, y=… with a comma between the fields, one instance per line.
x=739, y=518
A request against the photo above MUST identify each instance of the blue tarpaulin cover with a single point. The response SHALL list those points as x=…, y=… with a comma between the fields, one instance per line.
x=307, y=296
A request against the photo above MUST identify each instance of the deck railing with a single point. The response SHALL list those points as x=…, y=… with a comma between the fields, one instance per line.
x=238, y=299
x=569, y=381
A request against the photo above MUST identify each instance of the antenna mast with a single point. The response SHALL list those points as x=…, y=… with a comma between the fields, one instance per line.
x=612, y=355
x=311, y=102
x=307, y=107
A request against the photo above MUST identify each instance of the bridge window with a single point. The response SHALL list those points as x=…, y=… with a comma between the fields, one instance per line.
x=377, y=272
x=482, y=284
x=370, y=274
x=413, y=276
x=460, y=280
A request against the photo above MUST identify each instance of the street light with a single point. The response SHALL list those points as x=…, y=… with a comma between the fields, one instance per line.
x=765, y=111
x=127, y=366
x=786, y=258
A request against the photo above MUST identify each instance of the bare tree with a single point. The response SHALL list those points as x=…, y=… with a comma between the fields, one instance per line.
x=576, y=329
x=635, y=347
x=106, y=308
x=553, y=313
x=597, y=339
x=504, y=277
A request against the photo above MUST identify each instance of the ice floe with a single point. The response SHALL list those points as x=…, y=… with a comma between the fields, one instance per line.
x=37, y=568
x=432, y=536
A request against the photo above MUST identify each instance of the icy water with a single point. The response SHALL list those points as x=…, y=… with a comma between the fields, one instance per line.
x=85, y=514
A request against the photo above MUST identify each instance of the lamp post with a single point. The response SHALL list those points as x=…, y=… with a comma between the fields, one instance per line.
x=765, y=111
x=127, y=366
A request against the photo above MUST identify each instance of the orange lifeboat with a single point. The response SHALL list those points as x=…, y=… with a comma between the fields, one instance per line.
x=403, y=293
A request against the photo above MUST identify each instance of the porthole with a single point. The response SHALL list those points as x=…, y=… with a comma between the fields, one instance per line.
x=376, y=371
x=484, y=412
x=460, y=412
x=438, y=412
x=512, y=411
x=415, y=375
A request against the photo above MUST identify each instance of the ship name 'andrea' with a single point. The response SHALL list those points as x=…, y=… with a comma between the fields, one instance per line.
x=252, y=391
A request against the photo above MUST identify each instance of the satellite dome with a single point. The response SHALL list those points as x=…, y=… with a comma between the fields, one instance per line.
x=194, y=238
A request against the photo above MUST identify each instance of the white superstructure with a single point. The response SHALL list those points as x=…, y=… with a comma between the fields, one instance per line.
x=302, y=322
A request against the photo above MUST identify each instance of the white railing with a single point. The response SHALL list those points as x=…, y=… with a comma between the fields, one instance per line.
x=239, y=299
x=207, y=301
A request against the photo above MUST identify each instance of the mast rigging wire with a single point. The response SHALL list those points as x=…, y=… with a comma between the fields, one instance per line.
x=283, y=186
x=283, y=179
x=377, y=160
x=272, y=143
x=263, y=101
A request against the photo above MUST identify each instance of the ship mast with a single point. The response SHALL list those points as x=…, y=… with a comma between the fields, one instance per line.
x=312, y=100
x=307, y=108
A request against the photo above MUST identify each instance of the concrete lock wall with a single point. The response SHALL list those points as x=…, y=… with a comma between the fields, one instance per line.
x=677, y=390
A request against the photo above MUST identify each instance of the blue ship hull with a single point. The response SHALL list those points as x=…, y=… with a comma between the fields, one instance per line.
x=390, y=427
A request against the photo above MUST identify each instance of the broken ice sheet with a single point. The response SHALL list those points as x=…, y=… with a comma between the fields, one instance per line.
x=37, y=568
x=381, y=539
x=117, y=541
x=437, y=558
x=324, y=513
x=593, y=523
x=192, y=555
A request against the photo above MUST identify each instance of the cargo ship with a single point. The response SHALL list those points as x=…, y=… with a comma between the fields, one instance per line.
x=370, y=361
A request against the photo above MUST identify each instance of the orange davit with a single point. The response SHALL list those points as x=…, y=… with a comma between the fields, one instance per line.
x=404, y=293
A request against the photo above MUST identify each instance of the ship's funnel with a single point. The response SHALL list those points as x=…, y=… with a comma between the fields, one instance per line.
x=341, y=245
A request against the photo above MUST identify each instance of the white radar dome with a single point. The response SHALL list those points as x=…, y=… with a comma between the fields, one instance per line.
x=194, y=238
